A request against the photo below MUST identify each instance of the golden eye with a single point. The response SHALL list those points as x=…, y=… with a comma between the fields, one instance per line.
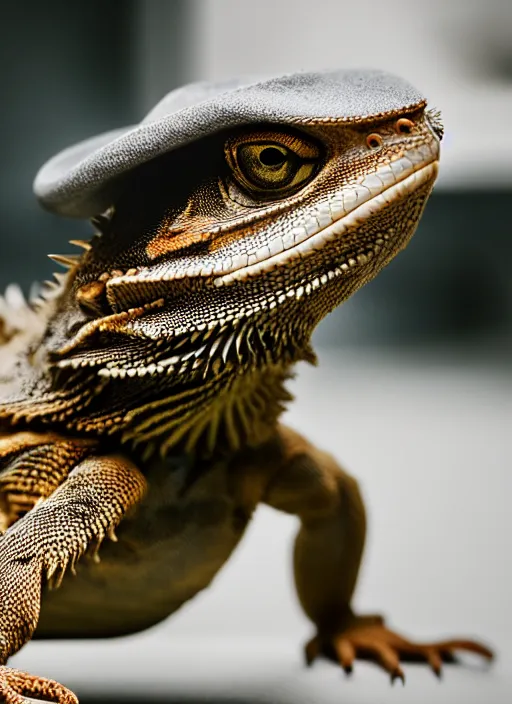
x=271, y=168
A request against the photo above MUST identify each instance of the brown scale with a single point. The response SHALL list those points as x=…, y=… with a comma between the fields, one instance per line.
x=33, y=465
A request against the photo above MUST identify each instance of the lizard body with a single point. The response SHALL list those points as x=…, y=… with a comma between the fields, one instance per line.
x=140, y=397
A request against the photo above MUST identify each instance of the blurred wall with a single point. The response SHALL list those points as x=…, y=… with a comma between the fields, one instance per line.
x=73, y=70
x=452, y=282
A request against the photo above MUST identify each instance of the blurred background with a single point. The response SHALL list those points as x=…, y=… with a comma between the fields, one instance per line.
x=414, y=386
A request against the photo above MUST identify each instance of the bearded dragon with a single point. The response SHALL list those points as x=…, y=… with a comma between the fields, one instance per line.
x=140, y=397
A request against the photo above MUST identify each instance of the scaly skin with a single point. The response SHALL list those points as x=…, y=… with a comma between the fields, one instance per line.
x=145, y=391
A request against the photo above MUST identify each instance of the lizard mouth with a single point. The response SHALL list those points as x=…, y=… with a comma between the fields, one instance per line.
x=335, y=216
x=315, y=242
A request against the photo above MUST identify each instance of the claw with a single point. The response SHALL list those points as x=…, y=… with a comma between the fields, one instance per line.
x=435, y=661
x=312, y=650
x=398, y=675
x=367, y=638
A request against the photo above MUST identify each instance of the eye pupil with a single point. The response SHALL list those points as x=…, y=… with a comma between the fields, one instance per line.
x=271, y=156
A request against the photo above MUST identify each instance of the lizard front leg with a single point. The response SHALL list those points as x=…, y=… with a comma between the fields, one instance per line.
x=43, y=544
x=328, y=551
x=32, y=466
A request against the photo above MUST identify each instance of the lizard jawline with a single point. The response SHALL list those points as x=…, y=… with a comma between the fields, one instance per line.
x=417, y=178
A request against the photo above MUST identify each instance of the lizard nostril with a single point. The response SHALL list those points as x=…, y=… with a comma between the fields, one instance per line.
x=404, y=126
x=374, y=141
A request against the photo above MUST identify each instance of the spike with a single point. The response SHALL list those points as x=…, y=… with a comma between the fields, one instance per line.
x=248, y=341
x=35, y=290
x=208, y=333
x=83, y=244
x=148, y=452
x=59, y=277
x=14, y=297
x=238, y=343
x=225, y=351
x=57, y=580
x=37, y=303
x=100, y=222
x=65, y=260
x=215, y=346
x=51, y=571
x=260, y=336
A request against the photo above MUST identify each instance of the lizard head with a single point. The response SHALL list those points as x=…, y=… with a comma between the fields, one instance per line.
x=221, y=256
x=254, y=234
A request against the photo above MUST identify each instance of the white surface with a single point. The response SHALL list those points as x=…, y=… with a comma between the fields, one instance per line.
x=450, y=50
x=430, y=442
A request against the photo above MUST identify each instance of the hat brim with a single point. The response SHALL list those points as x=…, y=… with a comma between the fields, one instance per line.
x=79, y=182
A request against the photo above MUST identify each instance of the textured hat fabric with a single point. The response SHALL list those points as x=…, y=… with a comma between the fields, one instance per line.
x=78, y=182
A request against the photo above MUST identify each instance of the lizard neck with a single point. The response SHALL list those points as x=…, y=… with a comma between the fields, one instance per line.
x=218, y=417
x=235, y=406
x=231, y=401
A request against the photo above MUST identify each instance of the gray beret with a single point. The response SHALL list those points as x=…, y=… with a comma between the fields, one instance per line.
x=78, y=181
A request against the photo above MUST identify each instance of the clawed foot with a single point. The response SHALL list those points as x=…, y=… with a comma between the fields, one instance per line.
x=18, y=687
x=369, y=639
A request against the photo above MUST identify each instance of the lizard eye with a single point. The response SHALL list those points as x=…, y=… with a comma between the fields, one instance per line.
x=272, y=166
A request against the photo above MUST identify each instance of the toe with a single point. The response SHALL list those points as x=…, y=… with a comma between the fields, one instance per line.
x=469, y=646
x=345, y=653
x=435, y=661
x=389, y=660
